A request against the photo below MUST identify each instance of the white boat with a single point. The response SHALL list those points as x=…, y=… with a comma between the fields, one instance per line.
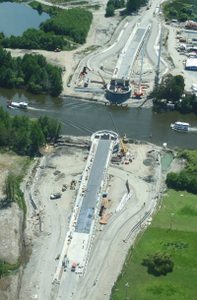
x=22, y=105
x=180, y=126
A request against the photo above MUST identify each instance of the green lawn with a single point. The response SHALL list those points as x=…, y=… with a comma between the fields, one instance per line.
x=173, y=231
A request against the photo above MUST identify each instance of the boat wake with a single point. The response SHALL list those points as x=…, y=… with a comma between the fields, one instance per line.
x=37, y=109
x=192, y=129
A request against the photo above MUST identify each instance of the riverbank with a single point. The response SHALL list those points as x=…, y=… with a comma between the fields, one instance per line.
x=99, y=35
x=104, y=35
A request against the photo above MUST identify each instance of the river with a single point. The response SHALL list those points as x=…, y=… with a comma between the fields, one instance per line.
x=81, y=118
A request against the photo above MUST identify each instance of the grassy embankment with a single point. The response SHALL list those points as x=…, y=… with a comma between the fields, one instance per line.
x=181, y=10
x=172, y=231
x=19, y=166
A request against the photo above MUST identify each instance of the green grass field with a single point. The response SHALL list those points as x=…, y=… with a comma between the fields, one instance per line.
x=173, y=231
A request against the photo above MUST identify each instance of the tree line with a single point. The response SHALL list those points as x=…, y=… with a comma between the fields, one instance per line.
x=60, y=31
x=182, y=10
x=187, y=178
x=130, y=6
x=171, y=92
x=31, y=72
x=35, y=39
x=25, y=136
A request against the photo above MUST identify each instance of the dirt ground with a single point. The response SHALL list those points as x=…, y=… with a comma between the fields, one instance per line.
x=11, y=229
x=48, y=223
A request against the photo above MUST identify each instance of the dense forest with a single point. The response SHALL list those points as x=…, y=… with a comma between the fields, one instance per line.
x=74, y=23
x=31, y=72
x=171, y=92
x=181, y=10
x=62, y=30
x=186, y=179
x=25, y=136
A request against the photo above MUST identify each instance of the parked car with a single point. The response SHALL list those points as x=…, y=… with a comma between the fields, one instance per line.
x=57, y=50
x=55, y=196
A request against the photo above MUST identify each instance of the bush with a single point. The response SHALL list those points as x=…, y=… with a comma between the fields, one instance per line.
x=158, y=264
x=6, y=268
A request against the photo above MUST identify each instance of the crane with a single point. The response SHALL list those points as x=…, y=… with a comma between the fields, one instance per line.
x=139, y=93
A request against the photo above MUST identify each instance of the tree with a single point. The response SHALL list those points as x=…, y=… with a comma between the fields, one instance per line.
x=37, y=138
x=51, y=128
x=109, y=11
x=171, y=88
x=56, y=78
x=158, y=264
x=9, y=187
x=39, y=8
x=132, y=5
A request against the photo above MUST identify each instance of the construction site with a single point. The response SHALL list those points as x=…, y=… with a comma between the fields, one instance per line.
x=107, y=191
x=92, y=188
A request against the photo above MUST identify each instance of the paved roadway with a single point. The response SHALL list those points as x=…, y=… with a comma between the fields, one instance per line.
x=128, y=54
x=93, y=187
x=120, y=37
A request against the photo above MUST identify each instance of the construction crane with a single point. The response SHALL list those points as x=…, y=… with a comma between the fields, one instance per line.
x=124, y=148
x=103, y=80
x=138, y=92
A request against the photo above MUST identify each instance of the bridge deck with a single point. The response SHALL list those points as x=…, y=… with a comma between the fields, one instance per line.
x=93, y=187
x=128, y=55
